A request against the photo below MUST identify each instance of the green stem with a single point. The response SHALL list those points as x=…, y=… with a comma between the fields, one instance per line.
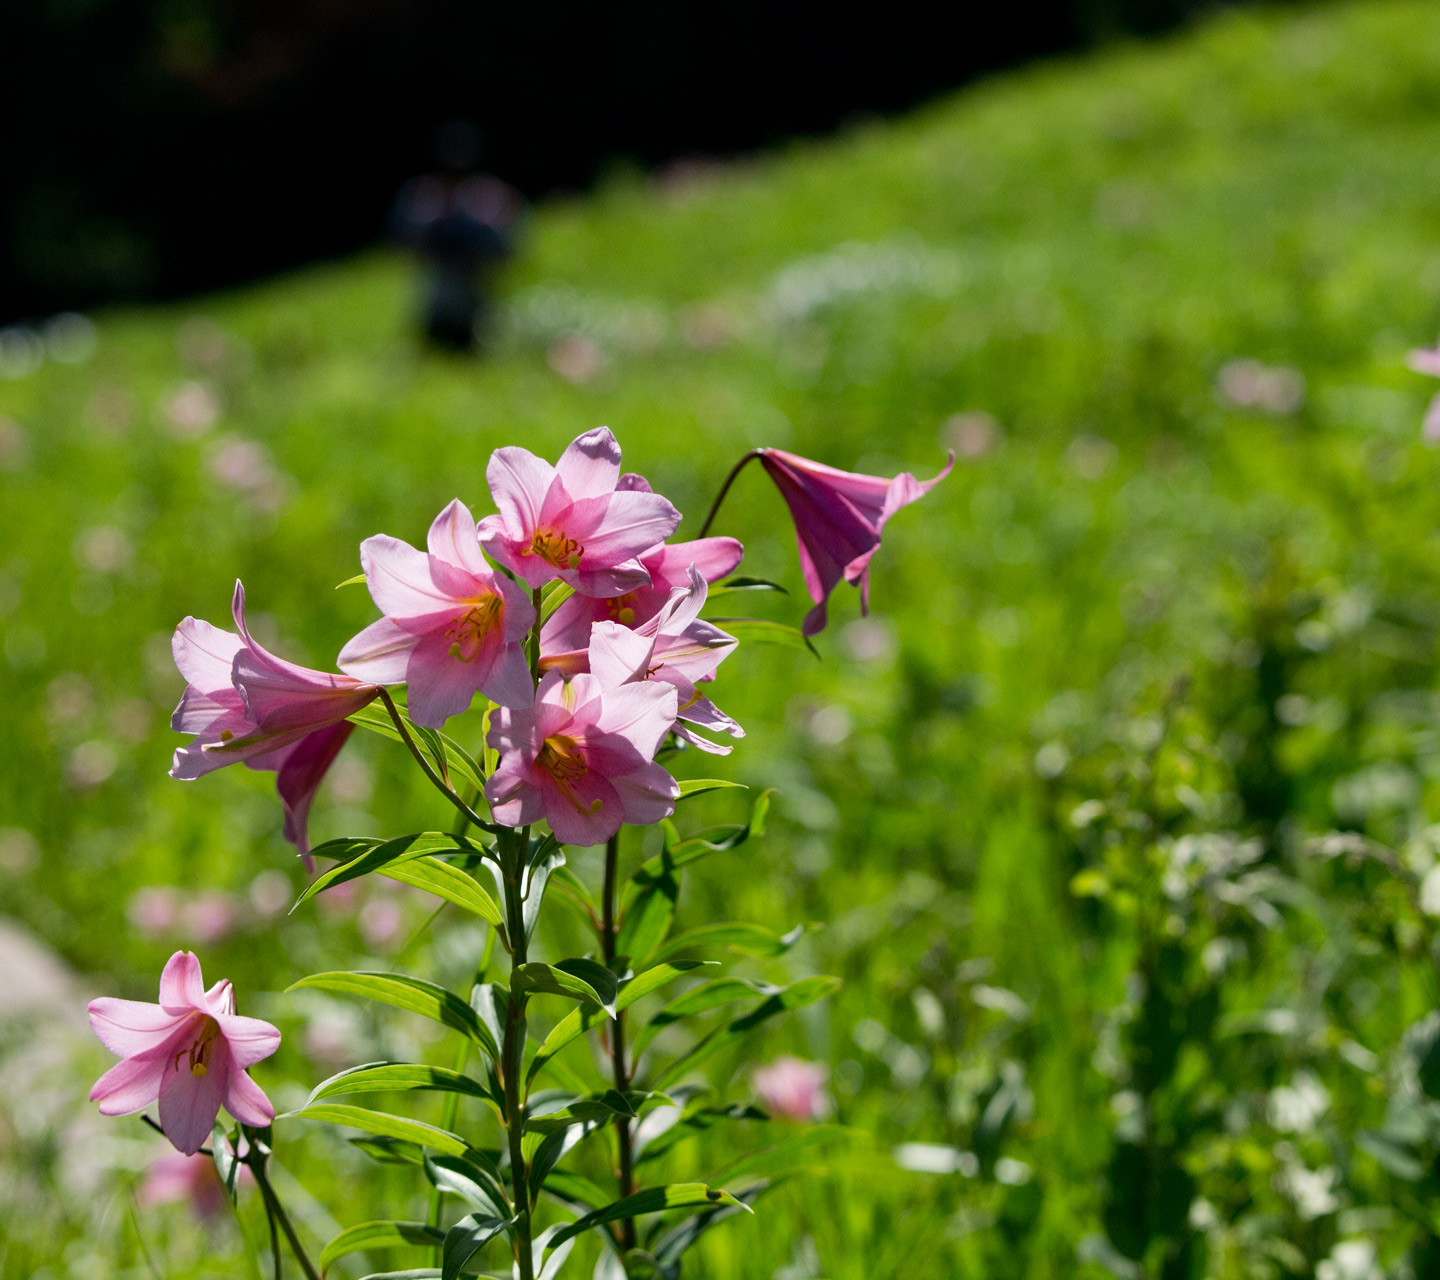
x=534, y=640
x=403, y=730
x=256, y=1164
x=514, y=848
x=725, y=488
x=624, y=1139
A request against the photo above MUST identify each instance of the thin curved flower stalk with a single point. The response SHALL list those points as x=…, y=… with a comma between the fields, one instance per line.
x=554, y=658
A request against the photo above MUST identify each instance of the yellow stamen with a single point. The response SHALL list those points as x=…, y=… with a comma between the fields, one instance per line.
x=555, y=548
x=560, y=757
x=200, y=1049
x=469, y=630
x=621, y=609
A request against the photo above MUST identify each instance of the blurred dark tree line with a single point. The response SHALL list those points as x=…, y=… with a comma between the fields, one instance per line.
x=157, y=147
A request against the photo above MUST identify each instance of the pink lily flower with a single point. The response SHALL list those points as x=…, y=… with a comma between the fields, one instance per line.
x=675, y=647
x=244, y=704
x=452, y=625
x=839, y=517
x=191, y=1051
x=669, y=570
x=572, y=521
x=793, y=1089
x=1427, y=360
x=583, y=758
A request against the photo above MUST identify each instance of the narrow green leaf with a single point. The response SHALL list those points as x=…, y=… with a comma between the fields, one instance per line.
x=411, y=994
x=667, y=1245
x=648, y=915
x=796, y=996
x=742, y=583
x=462, y=764
x=678, y=1195
x=390, y=1150
x=383, y=1077
x=387, y=1126
x=545, y=860
x=378, y=1235
x=747, y=939
x=466, y=1238
x=788, y=1154
x=764, y=631
x=226, y=1163
x=447, y=882
x=578, y=979
x=415, y=1273
x=553, y=1148
x=371, y=856
x=694, y=1123
x=677, y=852
x=467, y=1178
x=351, y=582
x=554, y=595
x=708, y=995
x=699, y=786
x=597, y=1108
x=576, y=1023
x=576, y=1189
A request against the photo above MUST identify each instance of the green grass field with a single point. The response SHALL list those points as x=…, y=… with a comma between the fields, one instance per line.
x=1168, y=603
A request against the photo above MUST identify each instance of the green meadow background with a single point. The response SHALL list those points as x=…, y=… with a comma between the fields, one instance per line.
x=1058, y=808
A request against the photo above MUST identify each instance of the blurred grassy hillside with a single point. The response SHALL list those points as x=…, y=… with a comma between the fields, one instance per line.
x=1159, y=302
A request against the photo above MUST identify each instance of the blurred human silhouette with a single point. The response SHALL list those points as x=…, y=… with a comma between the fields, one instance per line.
x=460, y=222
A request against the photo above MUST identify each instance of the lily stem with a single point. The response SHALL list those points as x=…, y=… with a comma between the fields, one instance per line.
x=514, y=849
x=725, y=488
x=403, y=730
x=256, y=1163
x=623, y=1137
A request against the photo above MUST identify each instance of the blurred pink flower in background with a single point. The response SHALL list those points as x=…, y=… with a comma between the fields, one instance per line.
x=793, y=1089
x=839, y=517
x=1426, y=360
x=573, y=521
x=154, y=910
x=380, y=921
x=175, y=1176
x=209, y=917
x=582, y=757
x=192, y=1025
x=452, y=625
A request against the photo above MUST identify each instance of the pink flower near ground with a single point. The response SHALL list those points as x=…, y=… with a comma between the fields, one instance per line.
x=175, y=1176
x=582, y=758
x=572, y=521
x=839, y=517
x=675, y=647
x=243, y=704
x=191, y=1051
x=1427, y=360
x=793, y=1089
x=669, y=570
x=452, y=625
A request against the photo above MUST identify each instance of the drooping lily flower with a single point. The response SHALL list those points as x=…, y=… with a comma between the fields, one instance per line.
x=572, y=521
x=583, y=758
x=191, y=1051
x=1427, y=360
x=452, y=625
x=839, y=517
x=231, y=683
x=676, y=647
